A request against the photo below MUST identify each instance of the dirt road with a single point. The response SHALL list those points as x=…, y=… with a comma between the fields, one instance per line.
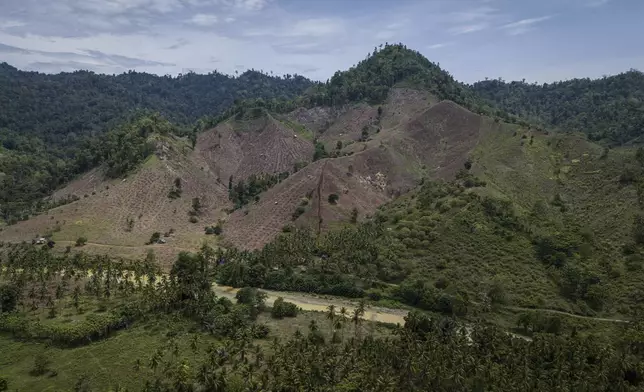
x=320, y=304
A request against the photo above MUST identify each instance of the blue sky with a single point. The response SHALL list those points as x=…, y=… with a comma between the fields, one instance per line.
x=540, y=40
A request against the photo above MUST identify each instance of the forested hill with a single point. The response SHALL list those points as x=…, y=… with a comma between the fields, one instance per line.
x=51, y=126
x=63, y=107
x=610, y=109
x=370, y=81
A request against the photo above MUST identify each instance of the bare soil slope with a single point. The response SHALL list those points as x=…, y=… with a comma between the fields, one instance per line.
x=436, y=141
x=242, y=148
x=409, y=136
x=106, y=206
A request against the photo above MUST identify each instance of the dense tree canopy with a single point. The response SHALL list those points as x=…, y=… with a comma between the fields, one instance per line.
x=52, y=127
x=610, y=108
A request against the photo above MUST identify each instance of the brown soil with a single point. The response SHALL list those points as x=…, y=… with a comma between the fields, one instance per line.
x=418, y=137
x=240, y=149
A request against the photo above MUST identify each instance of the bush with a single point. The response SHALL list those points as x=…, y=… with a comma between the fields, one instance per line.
x=8, y=298
x=354, y=215
x=4, y=384
x=298, y=212
x=81, y=241
x=283, y=309
x=193, y=219
x=260, y=331
x=216, y=230
x=251, y=296
x=156, y=236
x=628, y=176
x=41, y=365
x=333, y=198
x=96, y=326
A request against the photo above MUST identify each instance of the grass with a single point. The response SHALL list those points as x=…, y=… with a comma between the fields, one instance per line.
x=111, y=362
x=107, y=363
x=458, y=244
x=298, y=128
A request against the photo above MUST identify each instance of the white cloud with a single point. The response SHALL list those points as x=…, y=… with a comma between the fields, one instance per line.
x=439, y=45
x=8, y=24
x=244, y=5
x=204, y=19
x=524, y=25
x=316, y=27
x=465, y=29
x=230, y=19
x=474, y=14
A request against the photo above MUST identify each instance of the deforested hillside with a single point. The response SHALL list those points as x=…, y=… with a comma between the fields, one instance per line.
x=168, y=194
x=529, y=222
x=261, y=144
x=51, y=125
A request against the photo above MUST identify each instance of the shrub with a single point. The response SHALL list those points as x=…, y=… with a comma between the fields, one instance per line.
x=196, y=204
x=283, y=309
x=193, y=219
x=251, y=296
x=333, y=198
x=41, y=365
x=81, y=241
x=4, y=384
x=260, y=331
x=497, y=293
x=628, y=176
x=8, y=298
x=354, y=215
x=638, y=229
x=298, y=212
x=156, y=236
x=216, y=230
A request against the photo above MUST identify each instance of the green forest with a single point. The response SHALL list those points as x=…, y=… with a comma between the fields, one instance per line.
x=56, y=304
x=521, y=272
x=609, y=109
x=54, y=127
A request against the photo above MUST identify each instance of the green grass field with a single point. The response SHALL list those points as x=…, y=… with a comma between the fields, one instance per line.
x=113, y=361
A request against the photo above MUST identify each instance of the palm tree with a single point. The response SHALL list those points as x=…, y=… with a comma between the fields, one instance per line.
x=331, y=315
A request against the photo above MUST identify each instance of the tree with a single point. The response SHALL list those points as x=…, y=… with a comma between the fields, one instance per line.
x=41, y=365
x=81, y=241
x=354, y=215
x=154, y=238
x=9, y=295
x=196, y=205
x=333, y=198
x=638, y=229
x=283, y=309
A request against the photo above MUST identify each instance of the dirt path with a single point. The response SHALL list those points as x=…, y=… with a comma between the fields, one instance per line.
x=312, y=303
x=609, y=320
x=156, y=246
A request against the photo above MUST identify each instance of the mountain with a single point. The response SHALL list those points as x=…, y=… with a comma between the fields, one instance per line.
x=610, y=109
x=391, y=180
x=49, y=123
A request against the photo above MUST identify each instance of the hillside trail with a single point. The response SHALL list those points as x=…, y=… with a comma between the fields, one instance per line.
x=553, y=311
x=155, y=246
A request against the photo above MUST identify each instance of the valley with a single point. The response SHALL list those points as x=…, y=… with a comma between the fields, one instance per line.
x=222, y=245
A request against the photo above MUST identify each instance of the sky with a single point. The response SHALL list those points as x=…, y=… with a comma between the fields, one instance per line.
x=536, y=40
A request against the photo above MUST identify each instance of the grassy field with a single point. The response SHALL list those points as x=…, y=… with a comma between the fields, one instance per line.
x=113, y=362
